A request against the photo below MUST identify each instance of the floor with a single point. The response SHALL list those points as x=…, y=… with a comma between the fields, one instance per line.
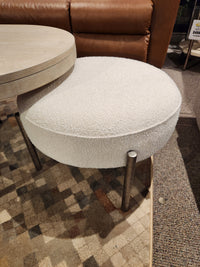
x=176, y=211
x=188, y=81
x=176, y=199
x=65, y=216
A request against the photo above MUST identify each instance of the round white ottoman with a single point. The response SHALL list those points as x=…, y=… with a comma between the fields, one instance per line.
x=105, y=108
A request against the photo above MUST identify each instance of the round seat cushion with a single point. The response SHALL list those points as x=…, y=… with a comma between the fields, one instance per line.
x=106, y=107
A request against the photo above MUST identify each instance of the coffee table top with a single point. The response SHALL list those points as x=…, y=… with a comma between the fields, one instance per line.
x=32, y=56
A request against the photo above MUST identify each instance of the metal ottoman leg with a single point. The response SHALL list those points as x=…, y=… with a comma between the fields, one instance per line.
x=30, y=146
x=129, y=174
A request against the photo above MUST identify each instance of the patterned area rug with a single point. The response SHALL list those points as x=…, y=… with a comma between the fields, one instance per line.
x=65, y=216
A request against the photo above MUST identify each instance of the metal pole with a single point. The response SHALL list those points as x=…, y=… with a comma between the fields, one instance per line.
x=191, y=41
x=30, y=146
x=188, y=54
x=129, y=174
x=191, y=20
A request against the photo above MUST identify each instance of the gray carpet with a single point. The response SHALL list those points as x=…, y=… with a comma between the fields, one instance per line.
x=188, y=81
x=176, y=222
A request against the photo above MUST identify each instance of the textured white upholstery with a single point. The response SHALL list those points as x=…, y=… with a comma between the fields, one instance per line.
x=106, y=107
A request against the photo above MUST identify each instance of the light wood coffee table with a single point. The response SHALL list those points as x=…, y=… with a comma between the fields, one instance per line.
x=32, y=56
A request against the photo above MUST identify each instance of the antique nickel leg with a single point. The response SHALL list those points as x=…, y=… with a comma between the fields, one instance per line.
x=29, y=145
x=129, y=174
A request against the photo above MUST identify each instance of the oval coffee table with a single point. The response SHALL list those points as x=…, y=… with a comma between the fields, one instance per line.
x=33, y=56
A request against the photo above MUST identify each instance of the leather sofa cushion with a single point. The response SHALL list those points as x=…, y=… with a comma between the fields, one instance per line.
x=129, y=46
x=43, y=12
x=111, y=16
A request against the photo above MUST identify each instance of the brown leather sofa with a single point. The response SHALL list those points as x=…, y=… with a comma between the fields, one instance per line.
x=139, y=29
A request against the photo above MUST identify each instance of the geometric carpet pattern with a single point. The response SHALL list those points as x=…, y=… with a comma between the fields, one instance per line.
x=65, y=216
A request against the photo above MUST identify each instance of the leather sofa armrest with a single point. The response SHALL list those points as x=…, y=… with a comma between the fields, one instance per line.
x=163, y=19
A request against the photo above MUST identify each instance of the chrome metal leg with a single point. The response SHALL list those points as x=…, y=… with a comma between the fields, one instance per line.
x=30, y=146
x=129, y=174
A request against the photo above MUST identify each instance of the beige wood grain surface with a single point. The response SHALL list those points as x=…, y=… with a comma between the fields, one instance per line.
x=31, y=56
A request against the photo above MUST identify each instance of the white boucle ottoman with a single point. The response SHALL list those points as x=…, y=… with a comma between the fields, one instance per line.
x=105, y=108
